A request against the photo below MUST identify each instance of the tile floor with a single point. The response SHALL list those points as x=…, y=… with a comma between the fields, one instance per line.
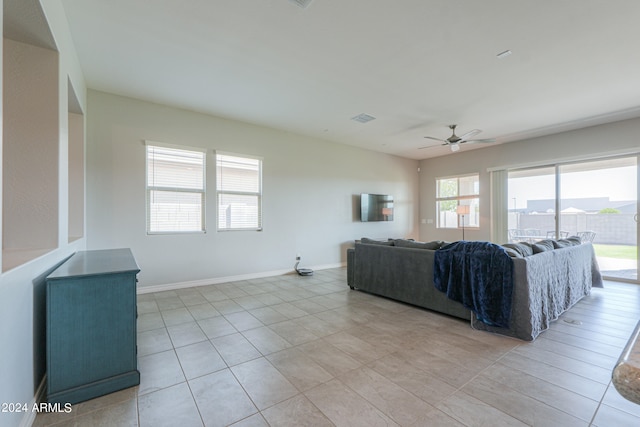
x=307, y=351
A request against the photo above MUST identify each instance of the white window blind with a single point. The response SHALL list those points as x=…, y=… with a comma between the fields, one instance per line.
x=175, y=190
x=239, y=189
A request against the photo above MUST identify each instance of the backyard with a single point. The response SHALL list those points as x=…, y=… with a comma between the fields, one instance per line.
x=616, y=251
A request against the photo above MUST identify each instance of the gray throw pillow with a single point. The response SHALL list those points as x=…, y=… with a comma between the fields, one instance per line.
x=576, y=240
x=512, y=252
x=523, y=248
x=376, y=242
x=562, y=243
x=403, y=243
x=543, y=246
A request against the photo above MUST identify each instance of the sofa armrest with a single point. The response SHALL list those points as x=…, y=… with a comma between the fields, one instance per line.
x=351, y=258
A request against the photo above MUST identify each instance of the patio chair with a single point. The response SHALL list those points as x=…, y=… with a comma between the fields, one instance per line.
x=533, y=232
x=517, y=235
x=586, y=236
x=552, y=234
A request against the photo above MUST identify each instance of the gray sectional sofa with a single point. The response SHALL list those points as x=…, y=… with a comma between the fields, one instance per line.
x=403, y=273
x=545, y=283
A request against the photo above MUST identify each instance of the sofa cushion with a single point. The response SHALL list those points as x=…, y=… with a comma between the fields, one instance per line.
x=523, y=248
x=562, y=243
x=576, y=240
x=543, y=246
x=376, y=242
x=433, y=245
x=512, y=252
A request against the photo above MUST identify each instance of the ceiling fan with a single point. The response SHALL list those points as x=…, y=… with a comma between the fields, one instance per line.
x=454, y=140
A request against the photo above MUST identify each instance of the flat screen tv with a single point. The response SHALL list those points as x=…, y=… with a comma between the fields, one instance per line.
x=376, y=207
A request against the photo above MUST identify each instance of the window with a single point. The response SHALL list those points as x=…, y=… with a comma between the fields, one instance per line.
x=175, y=190
x=239, y=188
x=454, y=192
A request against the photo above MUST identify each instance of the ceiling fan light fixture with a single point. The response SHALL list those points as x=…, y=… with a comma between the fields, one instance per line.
x=454, y=141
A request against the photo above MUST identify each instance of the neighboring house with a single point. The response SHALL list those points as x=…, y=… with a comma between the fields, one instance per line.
x=586, y=204
x=627, y=207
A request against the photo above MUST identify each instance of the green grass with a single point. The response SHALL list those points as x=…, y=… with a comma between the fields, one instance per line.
x=616, y=251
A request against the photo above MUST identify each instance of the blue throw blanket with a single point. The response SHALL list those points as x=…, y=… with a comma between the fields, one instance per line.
x=480, y=276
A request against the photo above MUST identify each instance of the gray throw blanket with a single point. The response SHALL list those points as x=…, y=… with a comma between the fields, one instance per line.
x=480, y=276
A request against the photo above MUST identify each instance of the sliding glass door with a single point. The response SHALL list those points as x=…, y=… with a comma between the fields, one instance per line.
x=597, y=200
x=532, y=201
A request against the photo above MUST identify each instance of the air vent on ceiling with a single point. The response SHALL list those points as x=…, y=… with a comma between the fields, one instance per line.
x=302, y=3
x=363, y=118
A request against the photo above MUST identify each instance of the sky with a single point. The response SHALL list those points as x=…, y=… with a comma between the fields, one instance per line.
x=616, y=183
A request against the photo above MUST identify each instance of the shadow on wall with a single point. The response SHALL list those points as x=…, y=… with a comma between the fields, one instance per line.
x=343, y=249
x=355, y=208
x=40, y=324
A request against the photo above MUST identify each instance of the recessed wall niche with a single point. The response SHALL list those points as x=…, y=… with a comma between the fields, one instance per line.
x=30, y=152
x=76, y=167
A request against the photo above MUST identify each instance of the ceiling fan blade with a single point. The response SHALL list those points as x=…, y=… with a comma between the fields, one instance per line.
x=431, y=146
x=480, y=141
x=436, y=139
x=469, y=134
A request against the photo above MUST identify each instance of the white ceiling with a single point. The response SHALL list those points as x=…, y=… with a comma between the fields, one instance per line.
x=415, y=65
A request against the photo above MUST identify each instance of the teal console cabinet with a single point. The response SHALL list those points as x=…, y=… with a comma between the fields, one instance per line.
x=91, y=326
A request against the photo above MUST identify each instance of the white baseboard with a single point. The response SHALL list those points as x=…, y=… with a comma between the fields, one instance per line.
x=328, y=266
x=216, y=280
x=30, y=416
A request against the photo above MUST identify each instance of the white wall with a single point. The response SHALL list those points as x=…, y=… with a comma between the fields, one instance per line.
x=310, y=189
x=596, y=141
x=22, y=292
x=76, y=177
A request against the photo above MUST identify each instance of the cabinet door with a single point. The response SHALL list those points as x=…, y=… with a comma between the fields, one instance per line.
x=91, y=329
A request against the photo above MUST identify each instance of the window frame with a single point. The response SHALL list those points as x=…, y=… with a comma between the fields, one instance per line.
x=258, y=194
x=458, y=199
x=150, y=188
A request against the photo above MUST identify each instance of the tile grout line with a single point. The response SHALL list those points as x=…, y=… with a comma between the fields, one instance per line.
x=342, y=328
x=529, y=396
x=600, y=403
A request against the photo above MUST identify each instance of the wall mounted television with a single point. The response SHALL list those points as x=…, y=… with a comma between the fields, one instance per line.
x=376, y=207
